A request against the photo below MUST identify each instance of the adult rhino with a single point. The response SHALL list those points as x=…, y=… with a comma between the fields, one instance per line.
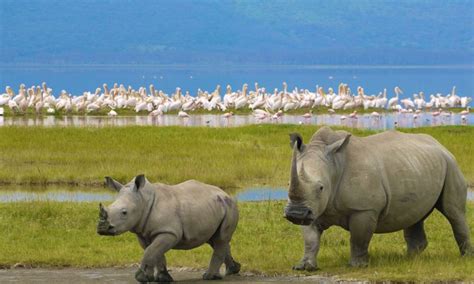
x=164, y=217
x=378, y=184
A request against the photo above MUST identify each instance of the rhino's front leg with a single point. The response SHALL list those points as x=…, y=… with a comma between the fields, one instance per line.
x=154, y=256
x=312, y=237
x=362, y=227
x=162, y=270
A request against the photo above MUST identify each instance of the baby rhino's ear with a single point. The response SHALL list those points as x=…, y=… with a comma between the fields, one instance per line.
x=113, y=184
x=140, y=182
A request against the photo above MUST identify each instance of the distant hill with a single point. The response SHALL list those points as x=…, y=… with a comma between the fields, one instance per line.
x=237, y=32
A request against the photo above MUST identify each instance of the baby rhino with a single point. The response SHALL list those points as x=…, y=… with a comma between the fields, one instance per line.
x=164, y=217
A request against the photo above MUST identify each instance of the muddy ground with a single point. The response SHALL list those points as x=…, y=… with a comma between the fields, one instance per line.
x=126, y=275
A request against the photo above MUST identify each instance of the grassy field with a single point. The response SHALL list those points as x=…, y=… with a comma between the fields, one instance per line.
x=256, y=155
x=63, y=234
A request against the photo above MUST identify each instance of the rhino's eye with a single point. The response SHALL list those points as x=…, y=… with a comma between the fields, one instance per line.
x=321, y=188
x=124, y=212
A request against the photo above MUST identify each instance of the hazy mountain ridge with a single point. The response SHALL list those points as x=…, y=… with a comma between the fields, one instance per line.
x=237, y=32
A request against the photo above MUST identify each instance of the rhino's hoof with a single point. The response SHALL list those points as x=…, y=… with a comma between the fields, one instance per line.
x=305, y=266
x=164, y=277
x=208, y=276
x=141, y=276
x=361, y=263
x=233, y=269
x=417, y=249
x=468, y=252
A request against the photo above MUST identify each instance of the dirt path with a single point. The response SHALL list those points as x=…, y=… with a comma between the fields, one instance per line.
x=126, y=275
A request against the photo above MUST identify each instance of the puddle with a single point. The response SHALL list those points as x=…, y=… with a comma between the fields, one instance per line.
x=261, y=194
x=26, y=194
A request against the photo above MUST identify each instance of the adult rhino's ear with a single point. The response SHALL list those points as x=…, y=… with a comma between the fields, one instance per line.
x=140, y=182
x=298, y=139
x=113, y=184
x=338, y=145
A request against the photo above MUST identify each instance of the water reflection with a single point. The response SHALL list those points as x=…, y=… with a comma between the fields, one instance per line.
x=385, y=121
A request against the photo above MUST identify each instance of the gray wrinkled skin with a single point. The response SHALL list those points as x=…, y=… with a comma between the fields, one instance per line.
x=164, y=217
x=378, y=184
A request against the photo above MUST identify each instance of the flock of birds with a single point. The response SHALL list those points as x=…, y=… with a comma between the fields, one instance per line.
x=264, y=105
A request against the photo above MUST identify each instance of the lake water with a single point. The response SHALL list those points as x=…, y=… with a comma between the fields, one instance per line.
x=76, y=79
x=386, y=121
x=22, y=194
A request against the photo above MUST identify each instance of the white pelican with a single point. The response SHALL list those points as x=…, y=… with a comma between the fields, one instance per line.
x=436, y=113
x=353, y=115
x=393, y=102
x=466, y=111
x=308, y=115
x=92, y=107
x=261, y=114
x=375, y=114
x=183, y=114
x=13, y=105
x=227, y=114
x=156, y=112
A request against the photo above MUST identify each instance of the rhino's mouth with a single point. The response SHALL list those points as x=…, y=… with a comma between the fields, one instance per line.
x=105, y=229
x=298, y=214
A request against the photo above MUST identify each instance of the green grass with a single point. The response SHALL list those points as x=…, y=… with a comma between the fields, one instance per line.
x=49, y=234
x=256, y=155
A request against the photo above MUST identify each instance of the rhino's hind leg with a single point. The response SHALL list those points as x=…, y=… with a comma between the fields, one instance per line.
x=218, y=256
x=457, y=219
x=311, y=237
x=416, y=238
x=231, y=266
x=452, y=204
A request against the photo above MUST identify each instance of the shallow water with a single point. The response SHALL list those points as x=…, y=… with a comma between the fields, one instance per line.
x=386, y=121
x=22, y=194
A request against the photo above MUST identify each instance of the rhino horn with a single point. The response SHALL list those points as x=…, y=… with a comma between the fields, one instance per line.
x=102, y=212
x=294, y=192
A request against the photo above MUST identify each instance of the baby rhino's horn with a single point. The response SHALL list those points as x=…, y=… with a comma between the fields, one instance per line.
x=102, y=212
